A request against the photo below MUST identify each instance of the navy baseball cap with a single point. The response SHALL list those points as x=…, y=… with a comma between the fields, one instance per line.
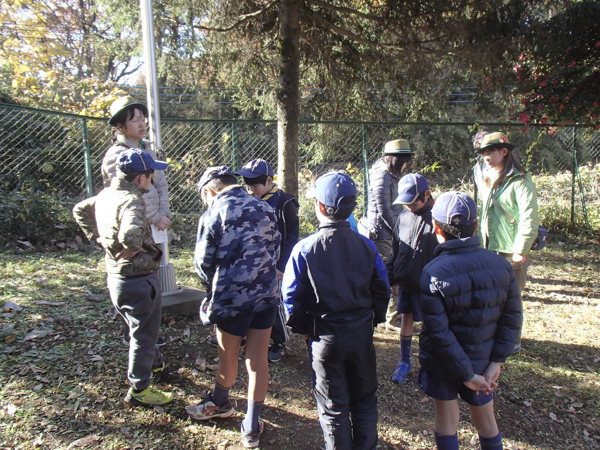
x=256, y=168
x=452, y=204
x=136, y=160
x=214, y=172
x=333, y=188
x=410, y=187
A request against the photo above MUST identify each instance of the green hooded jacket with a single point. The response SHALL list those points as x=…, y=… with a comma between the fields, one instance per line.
x=518, y=197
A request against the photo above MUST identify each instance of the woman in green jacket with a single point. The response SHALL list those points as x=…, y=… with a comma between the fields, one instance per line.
x=509, y=213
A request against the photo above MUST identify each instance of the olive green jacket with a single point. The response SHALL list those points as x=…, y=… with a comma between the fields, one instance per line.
x=122, y=223
x=518, y=197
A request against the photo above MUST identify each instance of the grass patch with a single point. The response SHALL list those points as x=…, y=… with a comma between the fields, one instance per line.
x=67, y=383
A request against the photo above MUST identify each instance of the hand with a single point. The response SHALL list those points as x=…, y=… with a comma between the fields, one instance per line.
x=519, y=259
x=305, y=337
x=395, y=290
x=128, y=254
x=162, y=223
x=279, y=275
x=479, y=384
x=491, y=374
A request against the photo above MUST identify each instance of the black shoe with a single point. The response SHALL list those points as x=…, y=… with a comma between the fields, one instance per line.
x=161, y=342
x=276, y=351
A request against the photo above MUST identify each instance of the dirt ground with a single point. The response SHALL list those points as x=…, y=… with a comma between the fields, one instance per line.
x=63, y=360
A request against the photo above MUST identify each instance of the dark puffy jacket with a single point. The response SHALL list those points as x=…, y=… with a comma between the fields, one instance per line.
x=381, y=212
x=413, y=244
x=471, y=310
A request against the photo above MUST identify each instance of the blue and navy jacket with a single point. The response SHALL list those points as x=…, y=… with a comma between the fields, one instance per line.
x=236, y=251
x=335, y=283
x=286, y=210
x=471, y=310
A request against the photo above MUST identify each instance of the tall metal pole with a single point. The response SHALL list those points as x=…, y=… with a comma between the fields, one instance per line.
x=167, y=271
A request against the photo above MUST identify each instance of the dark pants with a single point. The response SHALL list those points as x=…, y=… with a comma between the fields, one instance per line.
x=279, y=332
x=346, y=390
x=139, y=301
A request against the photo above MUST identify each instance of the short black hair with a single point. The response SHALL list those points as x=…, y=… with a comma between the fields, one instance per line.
x=261, y=179
x=130, y=176
x=343, y=211
x=456, y=230
x=127, y=114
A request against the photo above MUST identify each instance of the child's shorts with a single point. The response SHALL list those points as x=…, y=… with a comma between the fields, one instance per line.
x=408, y=302
x=238, y=326
x=448, y=389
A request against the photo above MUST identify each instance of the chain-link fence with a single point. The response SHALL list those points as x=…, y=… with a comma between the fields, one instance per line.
x=44, y=151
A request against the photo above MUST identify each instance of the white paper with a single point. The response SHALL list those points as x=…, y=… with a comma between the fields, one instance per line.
x=160, y=237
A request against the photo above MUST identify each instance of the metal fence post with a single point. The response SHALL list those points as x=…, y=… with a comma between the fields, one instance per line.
x=581, y=192
x=234, y=147
x=365, y=167
x=89, y=183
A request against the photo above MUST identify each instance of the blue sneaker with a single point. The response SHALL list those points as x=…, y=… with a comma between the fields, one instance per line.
x=401, y=373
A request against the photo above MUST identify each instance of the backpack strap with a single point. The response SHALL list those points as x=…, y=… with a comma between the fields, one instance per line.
x=497, y=205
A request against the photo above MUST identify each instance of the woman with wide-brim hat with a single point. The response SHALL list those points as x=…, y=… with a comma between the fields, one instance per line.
x=128, y=118
x=382, y=214
x=509, y=209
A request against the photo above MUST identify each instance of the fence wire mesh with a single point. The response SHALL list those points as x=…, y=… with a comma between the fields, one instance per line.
x=62, y=154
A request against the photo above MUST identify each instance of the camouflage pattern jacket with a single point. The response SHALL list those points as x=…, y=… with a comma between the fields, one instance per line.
x=236, y=251
x=157, y=197
x=85, y=215
x=121, y=223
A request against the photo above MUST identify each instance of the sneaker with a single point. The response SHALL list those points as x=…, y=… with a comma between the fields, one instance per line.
x=401, y=373
x=251, y=439
x=206, y=409
x=148, y=397
x=161, y=342
x=158, y=372
x=243, y=343
x=276, y=351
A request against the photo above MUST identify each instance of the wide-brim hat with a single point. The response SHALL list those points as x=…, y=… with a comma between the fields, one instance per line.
x=397, y=147
x=494, y=140
x=125, y=102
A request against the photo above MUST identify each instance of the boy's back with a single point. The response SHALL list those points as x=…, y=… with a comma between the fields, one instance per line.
x=475, y=291
x=344, y=272
x=236, y=250
x=336, y=287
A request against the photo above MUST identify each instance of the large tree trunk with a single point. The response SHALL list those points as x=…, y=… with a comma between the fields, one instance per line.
x=287, y=95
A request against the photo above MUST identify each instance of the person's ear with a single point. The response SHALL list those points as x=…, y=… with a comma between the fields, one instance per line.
x=120, y=127
x=504, y=152
x=322, y=208
x=476, y=227
x=427, y=195
x=437, y=229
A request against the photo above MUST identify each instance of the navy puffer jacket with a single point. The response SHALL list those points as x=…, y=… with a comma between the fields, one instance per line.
x=471, y=310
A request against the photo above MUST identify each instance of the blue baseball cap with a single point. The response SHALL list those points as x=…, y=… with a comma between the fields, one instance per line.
x=214, y=172
x=333, y=188
x=256, y=168
x=136, y=160
x=410, y=187
x=452, y=204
